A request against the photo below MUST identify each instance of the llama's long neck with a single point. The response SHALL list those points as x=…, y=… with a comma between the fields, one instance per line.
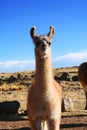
x=43, y=71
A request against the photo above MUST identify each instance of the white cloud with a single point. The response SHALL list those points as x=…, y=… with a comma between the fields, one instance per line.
x=12, y=66
x=71, y=59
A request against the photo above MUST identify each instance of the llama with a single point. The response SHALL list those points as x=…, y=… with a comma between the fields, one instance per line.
x=44, y=97
x=82, y=77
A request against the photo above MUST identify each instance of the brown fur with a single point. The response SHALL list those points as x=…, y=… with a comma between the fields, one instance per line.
x=82, y=76
x=44, y=97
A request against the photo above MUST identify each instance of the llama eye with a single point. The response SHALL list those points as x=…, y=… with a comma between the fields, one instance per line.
x=37, y=44
x=49, y=43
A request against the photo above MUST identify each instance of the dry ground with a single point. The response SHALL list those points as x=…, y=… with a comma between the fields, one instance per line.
x=72, y=120
x=67, y=123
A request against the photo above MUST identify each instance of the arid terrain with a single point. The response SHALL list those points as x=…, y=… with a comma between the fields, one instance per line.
x=14, y=87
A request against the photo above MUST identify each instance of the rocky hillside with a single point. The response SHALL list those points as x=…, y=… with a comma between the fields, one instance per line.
x=26, y=78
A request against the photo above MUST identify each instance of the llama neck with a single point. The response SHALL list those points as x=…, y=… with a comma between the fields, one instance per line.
x=43, y=70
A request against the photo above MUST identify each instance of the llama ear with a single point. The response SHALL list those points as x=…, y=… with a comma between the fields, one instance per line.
x=51, y=33
x=33, y=32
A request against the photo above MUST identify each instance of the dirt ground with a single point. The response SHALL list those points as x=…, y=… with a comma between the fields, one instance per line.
x=73, y=120
x=67, y=123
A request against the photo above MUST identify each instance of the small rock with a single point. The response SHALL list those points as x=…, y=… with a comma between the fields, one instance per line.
x=75, y=78
x=9, y=107
x=67, y=105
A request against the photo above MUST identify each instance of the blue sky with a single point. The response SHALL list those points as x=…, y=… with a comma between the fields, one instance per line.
x=69, y=46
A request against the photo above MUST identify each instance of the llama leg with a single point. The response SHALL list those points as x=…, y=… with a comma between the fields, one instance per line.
x=35, y=125
x=54, y=124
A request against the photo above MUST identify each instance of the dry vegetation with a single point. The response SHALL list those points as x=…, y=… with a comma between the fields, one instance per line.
x=17, y=90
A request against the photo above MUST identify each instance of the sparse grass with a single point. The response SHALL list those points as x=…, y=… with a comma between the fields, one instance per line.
x=11, y=87
x=75, y=113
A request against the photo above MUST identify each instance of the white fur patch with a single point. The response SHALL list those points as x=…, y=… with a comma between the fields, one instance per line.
x=44, y=125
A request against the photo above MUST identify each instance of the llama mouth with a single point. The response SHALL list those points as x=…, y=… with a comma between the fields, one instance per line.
x=44, y=49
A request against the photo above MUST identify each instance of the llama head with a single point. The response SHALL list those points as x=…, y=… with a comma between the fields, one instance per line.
x=42, y=42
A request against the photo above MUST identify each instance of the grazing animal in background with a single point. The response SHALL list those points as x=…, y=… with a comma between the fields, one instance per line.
x=44, y=97
x=82, y=77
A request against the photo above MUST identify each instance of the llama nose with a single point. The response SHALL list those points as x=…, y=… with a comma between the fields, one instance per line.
x=44, y=45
